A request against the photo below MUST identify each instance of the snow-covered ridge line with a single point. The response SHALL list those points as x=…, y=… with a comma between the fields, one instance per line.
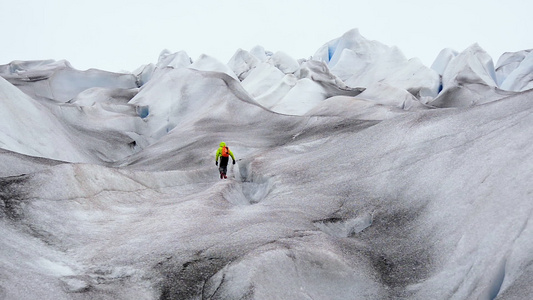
x=350, y=68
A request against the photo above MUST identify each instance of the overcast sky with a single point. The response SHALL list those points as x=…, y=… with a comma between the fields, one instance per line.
x=122, y=35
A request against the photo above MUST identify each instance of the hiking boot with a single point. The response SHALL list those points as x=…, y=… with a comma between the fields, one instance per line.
x=225, y=177
x=221, y=175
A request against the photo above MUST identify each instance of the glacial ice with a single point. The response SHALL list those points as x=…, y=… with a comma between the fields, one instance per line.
x=356, y=177
x=173, y=60
x=372, y=65
x=515, y=72
x=242, y=62
x=211, y=64
x=59, y=81
x=20, y=133
x=443, y=59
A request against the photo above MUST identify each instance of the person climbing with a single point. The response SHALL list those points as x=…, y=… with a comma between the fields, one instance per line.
x=224, y=153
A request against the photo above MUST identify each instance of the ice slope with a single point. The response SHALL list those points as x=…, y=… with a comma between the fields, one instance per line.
x=207, y=63
x=178, y=97
x=20, y=133
x=242, y=62
x=167, y=59
x=373, y=65
x=514, y=71
x=449, y=207
x=57, y=80
x=469, y=78
x=68, y=115
x=346, y=195
x=13, y=163
x=100, y=133
x=285, y=85
x=442, y=60
x=413, y=207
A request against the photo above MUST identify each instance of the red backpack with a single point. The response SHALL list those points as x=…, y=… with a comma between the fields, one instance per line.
x=225, y=151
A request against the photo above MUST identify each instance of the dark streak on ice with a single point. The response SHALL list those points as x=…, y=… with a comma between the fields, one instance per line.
x=11, y=195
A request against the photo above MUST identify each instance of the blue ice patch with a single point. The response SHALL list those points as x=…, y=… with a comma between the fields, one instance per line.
x=331, y=51
x=142, y=111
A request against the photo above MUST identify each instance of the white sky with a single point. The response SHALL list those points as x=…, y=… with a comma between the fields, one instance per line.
x=117, y=35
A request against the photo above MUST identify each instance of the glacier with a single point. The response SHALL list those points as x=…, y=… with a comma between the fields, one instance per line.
x=360, y=174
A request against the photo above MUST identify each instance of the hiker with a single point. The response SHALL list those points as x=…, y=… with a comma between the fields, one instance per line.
x=224, y=153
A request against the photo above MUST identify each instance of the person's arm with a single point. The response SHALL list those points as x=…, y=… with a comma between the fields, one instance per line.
x=216, y=156
x=232, y=157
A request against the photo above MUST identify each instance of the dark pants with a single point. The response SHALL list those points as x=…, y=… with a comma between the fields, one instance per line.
x=223, y=166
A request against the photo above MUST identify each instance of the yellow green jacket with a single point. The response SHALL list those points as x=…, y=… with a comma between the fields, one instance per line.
x=219, y=152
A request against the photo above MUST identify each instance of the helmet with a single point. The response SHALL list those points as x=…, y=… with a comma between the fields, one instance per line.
x=222, y=144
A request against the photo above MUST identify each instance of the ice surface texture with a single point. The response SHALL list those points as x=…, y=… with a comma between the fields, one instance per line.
x=360, y=175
